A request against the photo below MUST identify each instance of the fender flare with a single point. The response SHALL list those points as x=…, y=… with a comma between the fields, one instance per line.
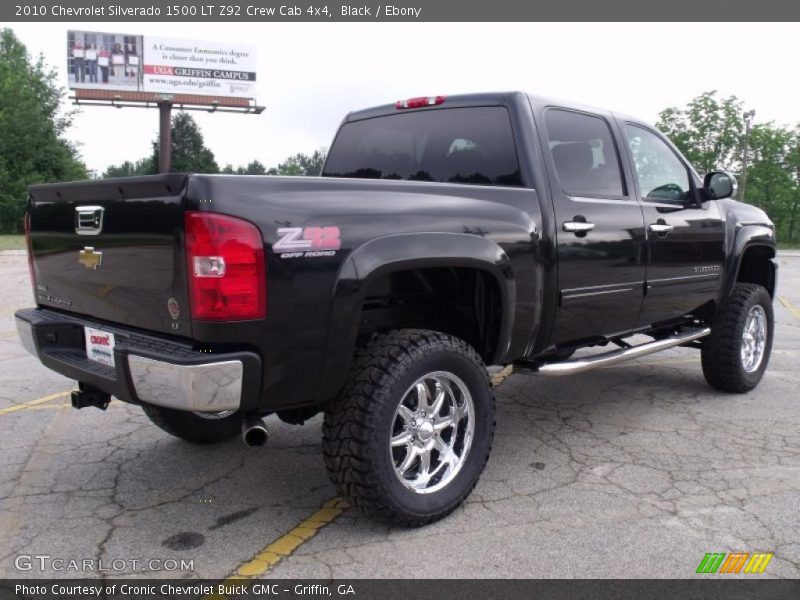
x=390, y=253
x=748, y=235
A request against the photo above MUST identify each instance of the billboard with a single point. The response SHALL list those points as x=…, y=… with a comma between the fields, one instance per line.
x=115, y=61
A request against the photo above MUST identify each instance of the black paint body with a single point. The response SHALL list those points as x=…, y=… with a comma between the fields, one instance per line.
x=557, y=289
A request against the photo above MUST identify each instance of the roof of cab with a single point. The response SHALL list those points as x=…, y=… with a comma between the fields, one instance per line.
x=486, y=99
x=461, y=100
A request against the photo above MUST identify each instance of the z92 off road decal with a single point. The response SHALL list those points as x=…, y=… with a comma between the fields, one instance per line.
x=307, y=242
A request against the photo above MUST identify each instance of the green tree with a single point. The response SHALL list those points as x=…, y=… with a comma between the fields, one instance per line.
x=708, y=131
x=32, y=127
x=143, y=166
x=253, y=168
x=771, y=179
x=291, y=166
x=793, y=161
x=189, y=153
x=302, y=164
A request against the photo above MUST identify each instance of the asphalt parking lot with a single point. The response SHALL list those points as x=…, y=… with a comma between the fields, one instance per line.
x=632, y=471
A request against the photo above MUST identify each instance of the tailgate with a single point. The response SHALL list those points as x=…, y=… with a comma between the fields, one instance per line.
x=113, y=250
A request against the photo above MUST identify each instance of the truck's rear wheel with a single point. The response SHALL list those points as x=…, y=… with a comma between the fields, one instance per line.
x=410, y=433
x=736, y=353
x=198, y=428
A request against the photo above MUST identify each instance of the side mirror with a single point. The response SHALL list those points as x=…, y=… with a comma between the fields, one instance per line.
x=719, y=185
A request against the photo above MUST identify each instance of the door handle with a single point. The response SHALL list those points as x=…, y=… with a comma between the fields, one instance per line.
x=661, y=228
x=578, y=226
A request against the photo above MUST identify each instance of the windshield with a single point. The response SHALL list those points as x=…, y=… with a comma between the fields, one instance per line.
x=457, y=145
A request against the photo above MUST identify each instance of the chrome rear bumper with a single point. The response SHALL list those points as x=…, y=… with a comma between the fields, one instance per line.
x=209, y=387
x=147, y=369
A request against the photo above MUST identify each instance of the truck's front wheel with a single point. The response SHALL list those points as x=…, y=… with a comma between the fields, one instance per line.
x=410, y=433
x=736, y=353
x=198, y=428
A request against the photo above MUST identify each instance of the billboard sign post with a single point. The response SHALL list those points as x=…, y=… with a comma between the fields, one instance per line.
x=164, y=136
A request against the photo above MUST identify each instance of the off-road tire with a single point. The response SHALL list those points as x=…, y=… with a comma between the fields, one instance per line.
x=192, y=428
x=721, y=353
x=358, y=424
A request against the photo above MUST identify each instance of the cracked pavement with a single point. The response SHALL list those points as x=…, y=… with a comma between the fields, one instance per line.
x=635, y=470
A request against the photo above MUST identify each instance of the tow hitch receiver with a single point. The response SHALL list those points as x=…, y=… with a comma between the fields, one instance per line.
x=86, y=395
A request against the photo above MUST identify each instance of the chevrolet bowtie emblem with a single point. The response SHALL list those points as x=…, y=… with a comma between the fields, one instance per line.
x=90, y=258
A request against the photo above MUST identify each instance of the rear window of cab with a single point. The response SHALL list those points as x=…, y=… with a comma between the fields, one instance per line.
x=473, y=145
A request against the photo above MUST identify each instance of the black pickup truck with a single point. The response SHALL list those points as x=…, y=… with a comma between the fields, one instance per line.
x=445, y=234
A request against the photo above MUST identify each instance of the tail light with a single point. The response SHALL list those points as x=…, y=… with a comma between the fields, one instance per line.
x=419, y=102
x=29, y=245
x=227, y=275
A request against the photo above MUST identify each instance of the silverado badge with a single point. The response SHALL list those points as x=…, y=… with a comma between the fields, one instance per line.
x=90, y=258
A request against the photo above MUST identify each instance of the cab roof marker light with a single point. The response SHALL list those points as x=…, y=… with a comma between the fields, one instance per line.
x=419, y=102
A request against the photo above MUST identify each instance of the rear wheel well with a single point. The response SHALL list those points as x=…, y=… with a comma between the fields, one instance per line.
x=755, y=267
x=461, y=301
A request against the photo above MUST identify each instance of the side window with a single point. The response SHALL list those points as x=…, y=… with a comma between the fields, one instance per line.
x=661, y=174
x=584, y=154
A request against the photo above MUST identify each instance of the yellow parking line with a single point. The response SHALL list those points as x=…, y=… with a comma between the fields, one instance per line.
x=59, y=406
x=17, y=513
x=64, y=405
x=272, y=554
x=792, y=309
x=24, y=405
x=285, y=545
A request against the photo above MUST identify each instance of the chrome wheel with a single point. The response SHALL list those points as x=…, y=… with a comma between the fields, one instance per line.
x=754, y=339
x=432, y=432
x=214, y=416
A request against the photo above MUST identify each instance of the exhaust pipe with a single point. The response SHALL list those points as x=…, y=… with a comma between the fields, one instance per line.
x=254, y=432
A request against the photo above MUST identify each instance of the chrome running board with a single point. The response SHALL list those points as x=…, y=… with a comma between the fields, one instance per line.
x=578, y=365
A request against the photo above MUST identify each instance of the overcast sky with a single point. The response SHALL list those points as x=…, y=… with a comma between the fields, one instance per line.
x=311, y=74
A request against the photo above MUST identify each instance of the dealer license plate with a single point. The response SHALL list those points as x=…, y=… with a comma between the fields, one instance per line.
x=99, y=346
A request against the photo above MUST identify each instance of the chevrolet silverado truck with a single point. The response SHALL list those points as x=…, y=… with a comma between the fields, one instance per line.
x=444, y=234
